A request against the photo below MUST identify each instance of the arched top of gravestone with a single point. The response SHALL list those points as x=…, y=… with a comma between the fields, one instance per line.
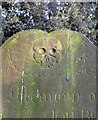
x=36, y=63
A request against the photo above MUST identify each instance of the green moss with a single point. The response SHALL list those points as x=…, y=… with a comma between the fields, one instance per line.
x=71, y=44
x=13, y=41
x=35, y=75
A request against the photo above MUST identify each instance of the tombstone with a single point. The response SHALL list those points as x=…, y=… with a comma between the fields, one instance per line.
x=48, y=75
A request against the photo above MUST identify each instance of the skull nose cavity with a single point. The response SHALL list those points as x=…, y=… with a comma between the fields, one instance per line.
x=46, y=58
x=42, y=51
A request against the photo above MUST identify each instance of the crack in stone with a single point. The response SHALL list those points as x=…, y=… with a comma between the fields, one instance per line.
x=12, y=63
x=14, y=66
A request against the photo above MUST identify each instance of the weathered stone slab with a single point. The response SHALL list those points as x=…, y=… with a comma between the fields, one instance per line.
x=48, y=75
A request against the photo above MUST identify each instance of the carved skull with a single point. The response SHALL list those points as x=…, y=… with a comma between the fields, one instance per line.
x=47, y=52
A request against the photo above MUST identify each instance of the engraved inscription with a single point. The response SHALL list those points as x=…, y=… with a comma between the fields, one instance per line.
x=92, y=96
x=72, y=114
x=15, y=94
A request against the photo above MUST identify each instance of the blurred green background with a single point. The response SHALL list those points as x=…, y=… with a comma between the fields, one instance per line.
x=50, y=16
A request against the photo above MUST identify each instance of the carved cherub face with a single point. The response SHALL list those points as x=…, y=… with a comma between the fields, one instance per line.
x=47, y=52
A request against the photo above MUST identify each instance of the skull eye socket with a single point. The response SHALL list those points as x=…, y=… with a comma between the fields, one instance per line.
x=42, y=51
x=52, y=51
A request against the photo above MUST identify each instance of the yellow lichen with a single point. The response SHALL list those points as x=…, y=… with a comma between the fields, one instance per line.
x=13, y=41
